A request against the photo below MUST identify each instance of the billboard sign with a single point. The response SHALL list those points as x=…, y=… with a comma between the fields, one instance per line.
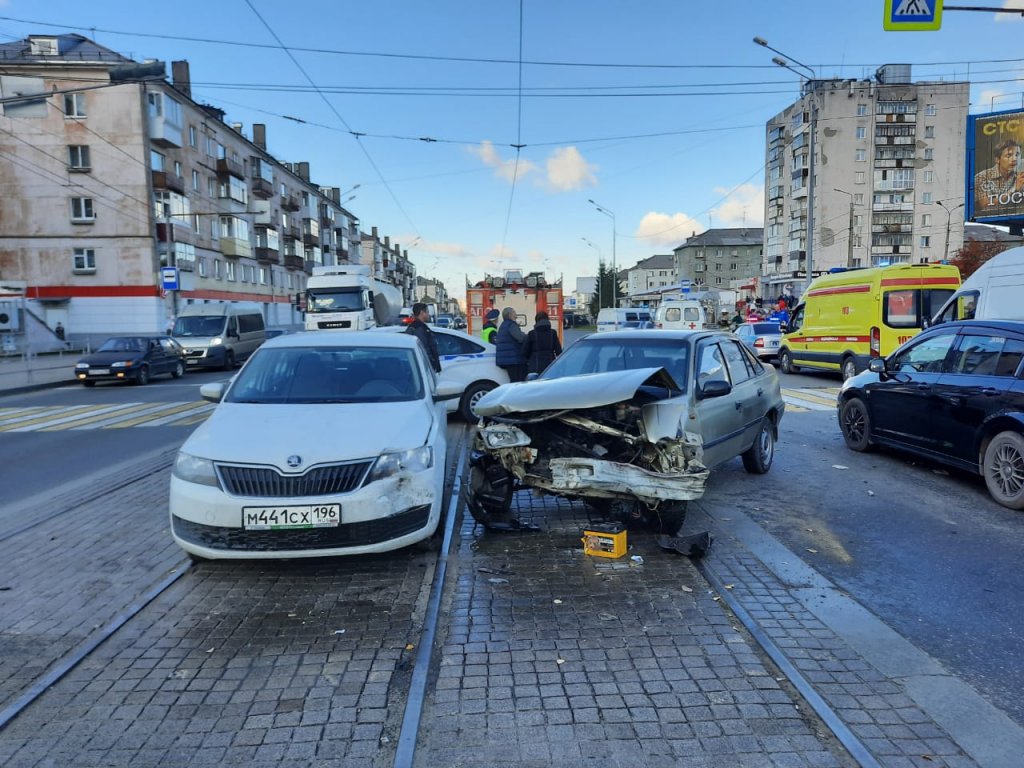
x=995, y=166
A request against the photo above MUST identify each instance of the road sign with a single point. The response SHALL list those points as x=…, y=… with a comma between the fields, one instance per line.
x=169, y=278
x=912, y=15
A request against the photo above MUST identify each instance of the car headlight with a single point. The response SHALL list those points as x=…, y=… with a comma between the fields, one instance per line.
x=81, y=366
x=388, y=464
x=216, y=342
x=193, y=469
x=122, y=364
x=504, y=436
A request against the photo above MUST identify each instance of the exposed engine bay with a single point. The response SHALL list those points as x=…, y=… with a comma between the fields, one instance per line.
x=630, y=459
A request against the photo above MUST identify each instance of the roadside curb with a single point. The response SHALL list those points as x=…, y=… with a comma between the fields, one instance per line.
x=37, y=387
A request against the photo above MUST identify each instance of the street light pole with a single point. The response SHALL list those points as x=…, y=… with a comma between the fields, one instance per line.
x=949, y=215
x=849, y=235
x=600, y=261
x=615, y=270
x=783, y=60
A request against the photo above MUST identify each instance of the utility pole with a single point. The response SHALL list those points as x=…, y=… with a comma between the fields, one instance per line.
x=949, y=215
x=849, y=235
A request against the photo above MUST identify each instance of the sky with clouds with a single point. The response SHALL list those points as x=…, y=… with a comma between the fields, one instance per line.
x=484, y=128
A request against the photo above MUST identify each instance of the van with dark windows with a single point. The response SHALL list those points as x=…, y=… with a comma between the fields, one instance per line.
x=219, y=334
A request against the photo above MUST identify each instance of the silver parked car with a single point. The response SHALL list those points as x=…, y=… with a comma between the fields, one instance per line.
x=761, y=337
x=629, y=421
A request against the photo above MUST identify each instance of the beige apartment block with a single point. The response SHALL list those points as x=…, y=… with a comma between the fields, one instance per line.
x=889, y=176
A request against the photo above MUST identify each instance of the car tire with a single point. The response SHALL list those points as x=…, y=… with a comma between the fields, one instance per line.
x=1003, y=468
x=229, y=361
x=855, y=424
x=759, y=457
x=489, y=494
x=786, y=362
x=470, y=398
x=848, y=367
x=179, y=370
x=88, y=383
x=142, y=379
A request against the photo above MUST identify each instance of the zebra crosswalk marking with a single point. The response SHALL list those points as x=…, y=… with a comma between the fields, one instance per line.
x=21, y=413
x=90, y=421
x=26, y=424
x=150, y=416
x=803, y=399
x=203, y=408
x=103, y=416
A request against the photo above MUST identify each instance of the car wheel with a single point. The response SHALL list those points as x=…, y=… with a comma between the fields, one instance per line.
x=758, y=458
x=786, y=362
x=143, y=377
x=88, y=383
x=489, y=495
x=471, y=397
x=1004, y=469
x=848, y=368
x=179, y=370
x=855, y=423
x=229, y=361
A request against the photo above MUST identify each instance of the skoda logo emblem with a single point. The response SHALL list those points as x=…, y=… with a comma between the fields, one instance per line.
x=294, y=461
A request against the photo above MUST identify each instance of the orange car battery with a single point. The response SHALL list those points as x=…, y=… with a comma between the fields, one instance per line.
x=604, y=540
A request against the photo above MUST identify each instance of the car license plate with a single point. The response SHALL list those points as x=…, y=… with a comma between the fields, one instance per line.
x=773, y=343
x=99, y=371
x=302, y=516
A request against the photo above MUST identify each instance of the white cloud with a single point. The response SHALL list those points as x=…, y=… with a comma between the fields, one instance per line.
x=744, y=207
x=1017, y=5
x=667, y=228
x=567, y=170
x=504, y=168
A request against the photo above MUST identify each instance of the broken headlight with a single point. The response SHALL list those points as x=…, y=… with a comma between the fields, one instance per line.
x=503, y=436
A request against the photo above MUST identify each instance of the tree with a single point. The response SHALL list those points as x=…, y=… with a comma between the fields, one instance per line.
x=975, y=253
x=604, y=292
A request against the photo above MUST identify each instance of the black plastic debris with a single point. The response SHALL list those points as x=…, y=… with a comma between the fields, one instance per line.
x=696, y=545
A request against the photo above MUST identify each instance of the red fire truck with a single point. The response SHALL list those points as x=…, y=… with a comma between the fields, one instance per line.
x=527, y=294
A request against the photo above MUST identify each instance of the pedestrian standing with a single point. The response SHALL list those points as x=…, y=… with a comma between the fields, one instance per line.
x=59, y=331
x=508, y=343
x=169, y=327
x=542, y=345
x=419, y=328
x=490, y=325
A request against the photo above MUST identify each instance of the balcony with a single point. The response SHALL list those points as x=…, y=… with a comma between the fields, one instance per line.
x=233, y=247
x=290, y=202
x=261, y=188
x=293, y=261
x=291, y=233
x=170, y=181
x=268, y=255
x=229, y=167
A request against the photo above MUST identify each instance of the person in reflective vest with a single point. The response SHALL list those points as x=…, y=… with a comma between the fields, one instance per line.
x=490, y=326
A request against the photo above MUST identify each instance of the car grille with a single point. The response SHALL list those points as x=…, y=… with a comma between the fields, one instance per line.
x=267, y=482
x=350, y=535
x=325, y=325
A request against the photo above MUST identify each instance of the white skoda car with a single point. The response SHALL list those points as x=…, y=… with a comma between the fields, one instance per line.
x=325, y=443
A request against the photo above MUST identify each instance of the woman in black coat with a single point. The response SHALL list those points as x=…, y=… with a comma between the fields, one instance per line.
x=542, y=344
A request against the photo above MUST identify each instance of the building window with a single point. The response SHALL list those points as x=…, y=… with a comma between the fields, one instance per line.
x=718, y=266
x=82, y=209
x=926, y=219
x=929, y=154
x=861, y=155
x=83, y=260
x=734, y=265
x=718, y=281
x=192, y=136
x=929, y=109
x=862, y=132
x=926, y=197
x=929, y=131
x=202, y=267
x=157, y=161
x=229, y=271
x=74, y=104
x=859, y=177
x=862, y=109
x=211, y=186
x=78, y=157
x=195, y=181
x=926, y=241
x=858, y=220
x=263, y=275
x=928, y=176
x=217, y=269
x=177, y=168
x=858, y=198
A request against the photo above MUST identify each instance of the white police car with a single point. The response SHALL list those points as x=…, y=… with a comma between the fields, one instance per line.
x=467, y=369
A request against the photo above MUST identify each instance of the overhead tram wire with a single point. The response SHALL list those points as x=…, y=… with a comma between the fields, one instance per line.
x=365, y=151
x=469, y=59
x=519, y=134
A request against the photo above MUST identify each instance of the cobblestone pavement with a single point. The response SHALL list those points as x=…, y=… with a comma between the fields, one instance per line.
x=554, y=658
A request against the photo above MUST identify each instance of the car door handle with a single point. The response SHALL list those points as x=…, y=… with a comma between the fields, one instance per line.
x=923, y=387
x=760, y=391
x=739, y=405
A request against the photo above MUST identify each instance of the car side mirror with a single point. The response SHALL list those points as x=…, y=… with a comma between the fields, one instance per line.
x=877, y=365
x=715, y=388
x=532, y=376
x=213, y=392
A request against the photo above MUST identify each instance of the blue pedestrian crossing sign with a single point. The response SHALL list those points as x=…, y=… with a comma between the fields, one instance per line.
x=912, y=15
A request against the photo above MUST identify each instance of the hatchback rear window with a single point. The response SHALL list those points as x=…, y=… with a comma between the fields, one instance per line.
x=760, y=328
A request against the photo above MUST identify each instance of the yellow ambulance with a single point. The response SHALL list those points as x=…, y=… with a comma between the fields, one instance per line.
x=847, y=317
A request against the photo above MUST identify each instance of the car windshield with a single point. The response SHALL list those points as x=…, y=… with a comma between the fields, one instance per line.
x=199, y=325
x=598, y=355
x=328, y=375
x=122, y=344
x=766, y=328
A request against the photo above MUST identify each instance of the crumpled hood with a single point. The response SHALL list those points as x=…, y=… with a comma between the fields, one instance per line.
x=591, y=390
x=269, y=434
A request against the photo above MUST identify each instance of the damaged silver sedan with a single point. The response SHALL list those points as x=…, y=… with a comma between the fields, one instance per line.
x=628, y=421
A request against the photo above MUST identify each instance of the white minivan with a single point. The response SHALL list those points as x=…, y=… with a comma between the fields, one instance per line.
x=994, y=292
x=611, y=319
x=219, y=334
x=685, y=315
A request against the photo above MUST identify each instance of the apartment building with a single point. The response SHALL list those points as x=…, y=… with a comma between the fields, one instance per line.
x=114, y=172
x=650, y=274
x=888, y=176
x=719, y=257
x=388, y=263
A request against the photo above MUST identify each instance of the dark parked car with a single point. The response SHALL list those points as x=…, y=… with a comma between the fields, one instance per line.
x=131, y=358
x=955, y=394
